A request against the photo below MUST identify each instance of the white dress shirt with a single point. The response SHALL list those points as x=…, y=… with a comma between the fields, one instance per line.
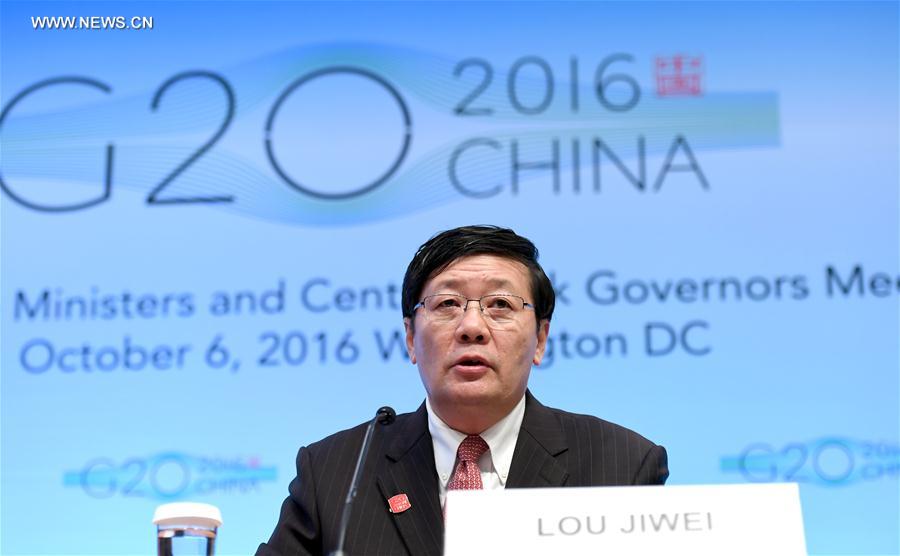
x=494, y=463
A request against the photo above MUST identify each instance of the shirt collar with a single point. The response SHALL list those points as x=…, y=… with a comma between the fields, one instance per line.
x=501, y=439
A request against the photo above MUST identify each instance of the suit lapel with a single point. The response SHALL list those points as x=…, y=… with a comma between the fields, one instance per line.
x=409, y=469
x=541, y=440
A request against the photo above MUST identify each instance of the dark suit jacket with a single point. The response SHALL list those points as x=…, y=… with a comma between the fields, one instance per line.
x=554, y=449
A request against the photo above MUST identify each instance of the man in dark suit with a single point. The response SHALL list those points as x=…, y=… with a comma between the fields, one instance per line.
x=479, y=426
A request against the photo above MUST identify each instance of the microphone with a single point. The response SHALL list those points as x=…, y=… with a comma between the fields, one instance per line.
x=385, y=415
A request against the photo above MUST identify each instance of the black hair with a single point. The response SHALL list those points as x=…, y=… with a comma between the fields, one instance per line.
x=441, y=250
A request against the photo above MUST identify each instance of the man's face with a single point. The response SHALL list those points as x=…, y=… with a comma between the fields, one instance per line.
x=502, y=359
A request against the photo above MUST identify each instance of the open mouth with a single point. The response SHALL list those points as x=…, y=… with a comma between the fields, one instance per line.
x=471, y=362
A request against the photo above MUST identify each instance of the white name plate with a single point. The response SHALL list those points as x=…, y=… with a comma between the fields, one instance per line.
x=703, y=520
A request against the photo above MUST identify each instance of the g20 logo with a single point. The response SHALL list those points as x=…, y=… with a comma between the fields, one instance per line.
x=531, y=89
x=827, y=461
x=158, y=195
x=169, y=476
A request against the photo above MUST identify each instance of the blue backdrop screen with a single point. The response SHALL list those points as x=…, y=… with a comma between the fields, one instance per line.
x=207, y=209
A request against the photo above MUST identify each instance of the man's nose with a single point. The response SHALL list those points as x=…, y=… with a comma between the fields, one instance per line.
x=472, y=326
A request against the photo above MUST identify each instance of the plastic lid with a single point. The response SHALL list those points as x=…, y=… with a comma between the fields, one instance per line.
x=187, y=513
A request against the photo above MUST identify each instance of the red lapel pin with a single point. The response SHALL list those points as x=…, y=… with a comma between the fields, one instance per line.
x=399, y=503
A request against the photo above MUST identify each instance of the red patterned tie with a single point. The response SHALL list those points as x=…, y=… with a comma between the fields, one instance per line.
x=467, y=475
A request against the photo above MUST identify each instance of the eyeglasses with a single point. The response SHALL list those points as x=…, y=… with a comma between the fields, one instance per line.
x=499, y=310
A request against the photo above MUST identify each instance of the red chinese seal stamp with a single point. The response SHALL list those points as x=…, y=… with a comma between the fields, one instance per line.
x=679, y=75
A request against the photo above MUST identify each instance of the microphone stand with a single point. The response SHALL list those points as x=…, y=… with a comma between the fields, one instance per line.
x=385, y=416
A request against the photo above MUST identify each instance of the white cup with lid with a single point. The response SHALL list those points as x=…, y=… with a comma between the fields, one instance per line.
x=186, y=528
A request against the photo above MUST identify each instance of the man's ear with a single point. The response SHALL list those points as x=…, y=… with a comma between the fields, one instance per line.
x=410, y=347
x=542, y=333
